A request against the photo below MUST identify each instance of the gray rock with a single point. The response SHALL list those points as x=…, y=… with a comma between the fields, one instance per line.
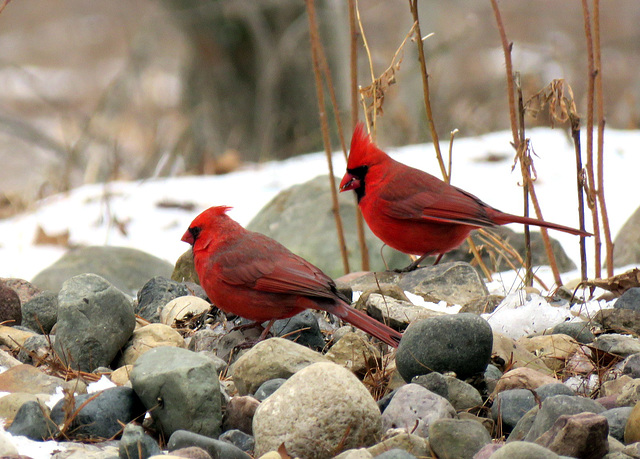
x=324, y=402
x=617, y=419
x=36, y=349
x=549, y=390
x=301, y=219
x=462, y=395
x=455, y=283
x=33, y=421
x=127, y=269
x=622, y=321
x=457, y=438
x=239, y=439
x=491, y=377
x=302, y=328
x=103, y=415
x=181, y=390
x=216, y=448
x=622, y=345
x=460, y=343
x=435, y=382
x=270, y=359
x=155, y=294
x=556, y=406
x=580, y=331
x=413, y=408
x=631, y=366
x=397, y=314
x=629, y=300
x=137, y=444
x=582, y=435
x=626, y=245
x=95, y=320
x=40, y=313
x=524, y=450
x=395, y=453
x=524, y=425
x=268, y=387
x=510, y=405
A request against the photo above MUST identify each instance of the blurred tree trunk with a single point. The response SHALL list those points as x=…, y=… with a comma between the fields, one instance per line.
x=249, y=84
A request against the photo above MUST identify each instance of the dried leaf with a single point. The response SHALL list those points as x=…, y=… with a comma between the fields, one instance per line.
x=616, y=284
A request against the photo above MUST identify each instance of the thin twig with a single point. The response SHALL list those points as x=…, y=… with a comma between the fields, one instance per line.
x=575, y=134
x=353, y=32
x=315, y=53
x=506, y=48
x=413, y=4
x=591, y=182
x=601, y=122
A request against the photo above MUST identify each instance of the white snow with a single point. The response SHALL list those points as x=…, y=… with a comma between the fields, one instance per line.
x=128, y=213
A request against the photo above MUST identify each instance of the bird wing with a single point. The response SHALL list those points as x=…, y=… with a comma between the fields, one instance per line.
x=412, y=196
x=262, y=264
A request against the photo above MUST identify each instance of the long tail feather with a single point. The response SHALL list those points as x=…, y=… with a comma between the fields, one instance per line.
x=503, y=218
x=370, y=325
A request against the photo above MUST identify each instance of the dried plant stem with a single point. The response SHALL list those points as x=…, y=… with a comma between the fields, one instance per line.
x=4, y=5
x=353, y=60
x=413, y=4
x=531, y=191
x=315, y=53
x=575, y=134
x=373, y=76
x=591, y=182
x=601, y=122
x=506, y=48
x=517, y=144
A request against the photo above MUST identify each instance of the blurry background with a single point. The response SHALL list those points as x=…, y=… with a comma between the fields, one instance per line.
x=96, y=91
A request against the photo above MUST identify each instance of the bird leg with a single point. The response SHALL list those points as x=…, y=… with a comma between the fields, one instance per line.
x=252, y=342
x=413, y=266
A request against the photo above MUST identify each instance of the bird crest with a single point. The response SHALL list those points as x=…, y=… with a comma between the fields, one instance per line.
x=363, y=151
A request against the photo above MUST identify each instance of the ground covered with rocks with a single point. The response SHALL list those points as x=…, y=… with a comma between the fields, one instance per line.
x=175, y=374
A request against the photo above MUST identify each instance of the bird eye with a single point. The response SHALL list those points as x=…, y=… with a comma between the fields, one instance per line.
x=195, y=232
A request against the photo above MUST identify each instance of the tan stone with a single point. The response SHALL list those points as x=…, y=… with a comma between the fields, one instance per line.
x=516, y=355
x=26, y=378
x=354, y=353
x=632, y=429
x=12, y=337
x=614, y=387
x=148, y=337
x=11, y=403
x=554, y=350
x=182, y=308
x=523, y=378
x=120, y=376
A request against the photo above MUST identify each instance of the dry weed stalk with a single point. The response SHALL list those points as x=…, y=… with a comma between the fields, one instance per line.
x=353, y=64
x=316, y=47
x=596, y=200
x=378, y=88
x=521, y=145
x=591, y=181
x=558, y=97
x=413, y=5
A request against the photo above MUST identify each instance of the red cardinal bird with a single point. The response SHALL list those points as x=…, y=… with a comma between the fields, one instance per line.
x=415, y=212
x=253, y=276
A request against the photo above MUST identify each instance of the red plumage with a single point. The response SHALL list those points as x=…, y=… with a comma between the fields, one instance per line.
x=251, y=275
x=413, y=211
